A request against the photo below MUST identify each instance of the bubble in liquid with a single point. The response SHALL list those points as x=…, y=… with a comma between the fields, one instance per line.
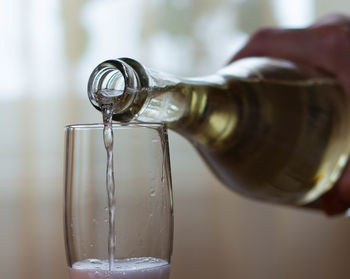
x=122, y=268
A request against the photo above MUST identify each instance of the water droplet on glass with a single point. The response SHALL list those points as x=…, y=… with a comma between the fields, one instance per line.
x=152, y=192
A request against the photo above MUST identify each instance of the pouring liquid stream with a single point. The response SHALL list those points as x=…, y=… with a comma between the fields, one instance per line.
x=107, y=112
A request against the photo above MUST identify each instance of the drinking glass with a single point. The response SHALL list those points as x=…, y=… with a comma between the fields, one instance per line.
x=143, y=202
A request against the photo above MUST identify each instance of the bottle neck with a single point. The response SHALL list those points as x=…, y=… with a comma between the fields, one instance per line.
x=125, y=86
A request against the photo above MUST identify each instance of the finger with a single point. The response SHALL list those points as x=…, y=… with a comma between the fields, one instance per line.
x=343, y=185
x=333, y=204
x=333, y=19
x=327, y=48
x=337, y=200
x=279, y=43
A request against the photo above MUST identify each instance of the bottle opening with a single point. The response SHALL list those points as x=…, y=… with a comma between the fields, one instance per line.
x=113, y=84
x=116, y=85
x=107, y=83
x=110, y=87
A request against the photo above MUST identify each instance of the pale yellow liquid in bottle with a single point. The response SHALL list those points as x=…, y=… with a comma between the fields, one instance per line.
x=280, y=141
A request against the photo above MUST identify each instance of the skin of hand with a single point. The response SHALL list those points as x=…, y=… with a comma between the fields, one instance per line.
x=325, y=45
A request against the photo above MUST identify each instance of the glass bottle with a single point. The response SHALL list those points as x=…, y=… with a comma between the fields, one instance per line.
x=267, y=128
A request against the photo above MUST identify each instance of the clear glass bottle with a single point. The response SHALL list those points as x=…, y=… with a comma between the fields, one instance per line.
x=267, y=128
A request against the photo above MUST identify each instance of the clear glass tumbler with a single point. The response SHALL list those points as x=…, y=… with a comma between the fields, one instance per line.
x=143, y=202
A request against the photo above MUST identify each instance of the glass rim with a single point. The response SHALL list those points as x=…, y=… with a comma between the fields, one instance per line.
x=153, y=125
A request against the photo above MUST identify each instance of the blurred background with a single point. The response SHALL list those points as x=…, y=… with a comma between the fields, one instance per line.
x=47, y=51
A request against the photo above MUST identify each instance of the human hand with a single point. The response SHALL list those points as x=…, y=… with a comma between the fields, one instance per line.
x=324, y=45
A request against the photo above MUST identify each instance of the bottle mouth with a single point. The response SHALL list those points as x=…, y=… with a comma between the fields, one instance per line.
x=109, y=82
x=117, y=84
